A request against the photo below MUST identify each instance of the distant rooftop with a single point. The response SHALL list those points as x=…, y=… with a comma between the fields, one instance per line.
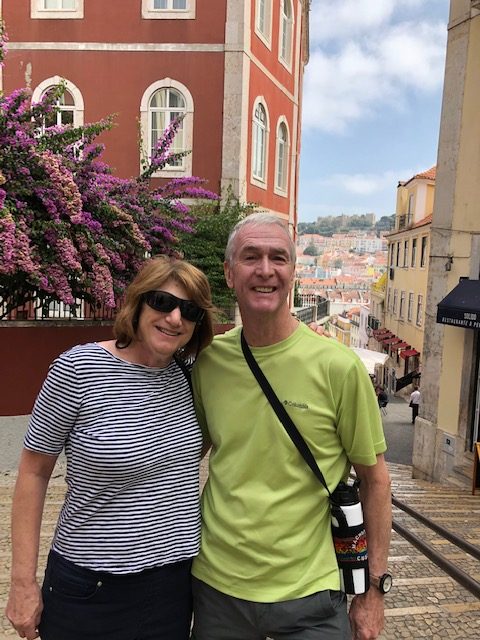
x=429, y=174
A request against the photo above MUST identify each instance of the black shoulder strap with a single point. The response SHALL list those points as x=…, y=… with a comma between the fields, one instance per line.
x=282, y=414
x=185, y=371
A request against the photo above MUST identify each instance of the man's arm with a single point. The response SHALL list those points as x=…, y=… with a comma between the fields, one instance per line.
x=367, y=610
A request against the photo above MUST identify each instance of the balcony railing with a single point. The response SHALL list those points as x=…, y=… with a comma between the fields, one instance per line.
x=404, y=221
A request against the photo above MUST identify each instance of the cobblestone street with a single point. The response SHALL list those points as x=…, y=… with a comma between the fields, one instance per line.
x=425, y=603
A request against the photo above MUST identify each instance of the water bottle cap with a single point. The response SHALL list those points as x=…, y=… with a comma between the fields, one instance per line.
x=345, y=494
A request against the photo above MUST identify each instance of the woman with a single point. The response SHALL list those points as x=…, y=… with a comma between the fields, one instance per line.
x=119, y=565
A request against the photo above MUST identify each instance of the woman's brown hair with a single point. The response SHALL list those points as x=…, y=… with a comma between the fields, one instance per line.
x=153, y=274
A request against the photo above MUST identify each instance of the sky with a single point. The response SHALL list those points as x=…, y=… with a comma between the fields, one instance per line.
x=371, y=103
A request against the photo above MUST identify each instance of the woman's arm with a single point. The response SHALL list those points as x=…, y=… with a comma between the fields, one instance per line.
x=24, y=605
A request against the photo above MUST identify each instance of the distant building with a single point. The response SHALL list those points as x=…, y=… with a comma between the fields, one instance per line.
x=340, y=328
x=406, y=286
x=448, y=425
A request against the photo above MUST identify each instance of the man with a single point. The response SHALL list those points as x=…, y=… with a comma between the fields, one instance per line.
x=382, y=396
x=267, y=566
x=415, y=402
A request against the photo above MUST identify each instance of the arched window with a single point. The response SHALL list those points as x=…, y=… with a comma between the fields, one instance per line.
x=65, y=113
x=282, y=156
x=286, y=32
x=70, y=104
x=259, y=142
x=162, y=103
x=166, y=105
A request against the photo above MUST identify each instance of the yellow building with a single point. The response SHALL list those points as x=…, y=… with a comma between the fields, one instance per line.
x=448, y=424
x=340, y=328
x=377, y=303
x=406, y=287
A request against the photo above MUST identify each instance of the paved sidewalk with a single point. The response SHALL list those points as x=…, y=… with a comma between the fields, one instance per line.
x=425, y=603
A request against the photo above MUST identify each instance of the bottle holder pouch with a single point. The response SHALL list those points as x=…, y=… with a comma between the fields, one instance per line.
x=350, y=542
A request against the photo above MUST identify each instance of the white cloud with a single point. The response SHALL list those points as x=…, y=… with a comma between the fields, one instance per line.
x=372, y=60
x=331, y=20
x=361, y=184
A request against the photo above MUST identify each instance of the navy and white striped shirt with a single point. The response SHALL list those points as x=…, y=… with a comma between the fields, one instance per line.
x=132, y=444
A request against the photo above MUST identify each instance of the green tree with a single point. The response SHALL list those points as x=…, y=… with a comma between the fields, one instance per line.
x=311, y=250
x=297, y=302
x=205, y=247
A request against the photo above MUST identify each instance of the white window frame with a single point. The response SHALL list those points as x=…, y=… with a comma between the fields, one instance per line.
x=419, y=320
x=411, y=301
x=38, y=11
x=413, y=262
x=285, y=35
x=395, y=300
x=401, y=311
x=392, y=255
x=411, y=202
x=260, y=180
x=49, y=83
x=168, y=83
x=281, y=186
x=405, y=253
x=423, y=251
x=149, y=13
x=263, y=8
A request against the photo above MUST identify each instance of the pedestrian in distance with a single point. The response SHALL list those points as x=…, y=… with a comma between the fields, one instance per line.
x=120, y=560
x=382, y=396
x=267, y=566
x=415, y=402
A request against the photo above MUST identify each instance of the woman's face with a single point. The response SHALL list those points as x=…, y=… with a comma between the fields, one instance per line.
x=160, y=334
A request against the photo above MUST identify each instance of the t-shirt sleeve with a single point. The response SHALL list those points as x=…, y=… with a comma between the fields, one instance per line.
x=197, y=397
x=359, y=424
x=55, y=410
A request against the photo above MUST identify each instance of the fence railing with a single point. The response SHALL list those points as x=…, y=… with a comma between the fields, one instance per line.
x=56, y=310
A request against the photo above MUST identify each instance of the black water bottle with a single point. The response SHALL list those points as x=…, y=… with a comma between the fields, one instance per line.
x=349, y=538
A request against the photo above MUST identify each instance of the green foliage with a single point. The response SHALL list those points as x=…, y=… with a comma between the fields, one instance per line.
x=205, y=247
x=311, y=250
x=296, y=294
x=329, y=225
x=386, y=223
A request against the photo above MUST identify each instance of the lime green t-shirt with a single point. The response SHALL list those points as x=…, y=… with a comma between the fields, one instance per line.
x=266, y=522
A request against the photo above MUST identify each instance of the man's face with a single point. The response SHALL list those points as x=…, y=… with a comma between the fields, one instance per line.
x=261, y=271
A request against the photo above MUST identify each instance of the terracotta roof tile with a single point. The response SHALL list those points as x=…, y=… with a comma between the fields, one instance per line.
x=423, y=221
x=429, y=174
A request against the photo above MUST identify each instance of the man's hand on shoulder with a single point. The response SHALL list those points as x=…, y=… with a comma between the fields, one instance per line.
x=320, y=329
x=367, y=615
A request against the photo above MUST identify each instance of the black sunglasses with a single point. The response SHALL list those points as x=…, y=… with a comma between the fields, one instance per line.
x=166, y=302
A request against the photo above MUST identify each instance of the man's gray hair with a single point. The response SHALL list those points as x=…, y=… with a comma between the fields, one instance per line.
x=258, y=220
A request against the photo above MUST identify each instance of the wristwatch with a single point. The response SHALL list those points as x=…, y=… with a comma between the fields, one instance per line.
x=383, y=583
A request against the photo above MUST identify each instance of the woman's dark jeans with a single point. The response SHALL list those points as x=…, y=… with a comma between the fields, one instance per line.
x=80, y=604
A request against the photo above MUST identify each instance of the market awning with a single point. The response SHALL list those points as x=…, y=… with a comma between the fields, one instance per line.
x=461, y=307
x=379, y=332
x=409, y=353
x=392, y=340
x=370, y=358
x=400, y=345
x=385, y=336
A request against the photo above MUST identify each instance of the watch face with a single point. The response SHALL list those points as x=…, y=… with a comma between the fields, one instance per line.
x=386, y=583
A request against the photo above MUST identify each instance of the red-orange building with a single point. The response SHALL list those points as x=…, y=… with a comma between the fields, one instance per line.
x=233, y=67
